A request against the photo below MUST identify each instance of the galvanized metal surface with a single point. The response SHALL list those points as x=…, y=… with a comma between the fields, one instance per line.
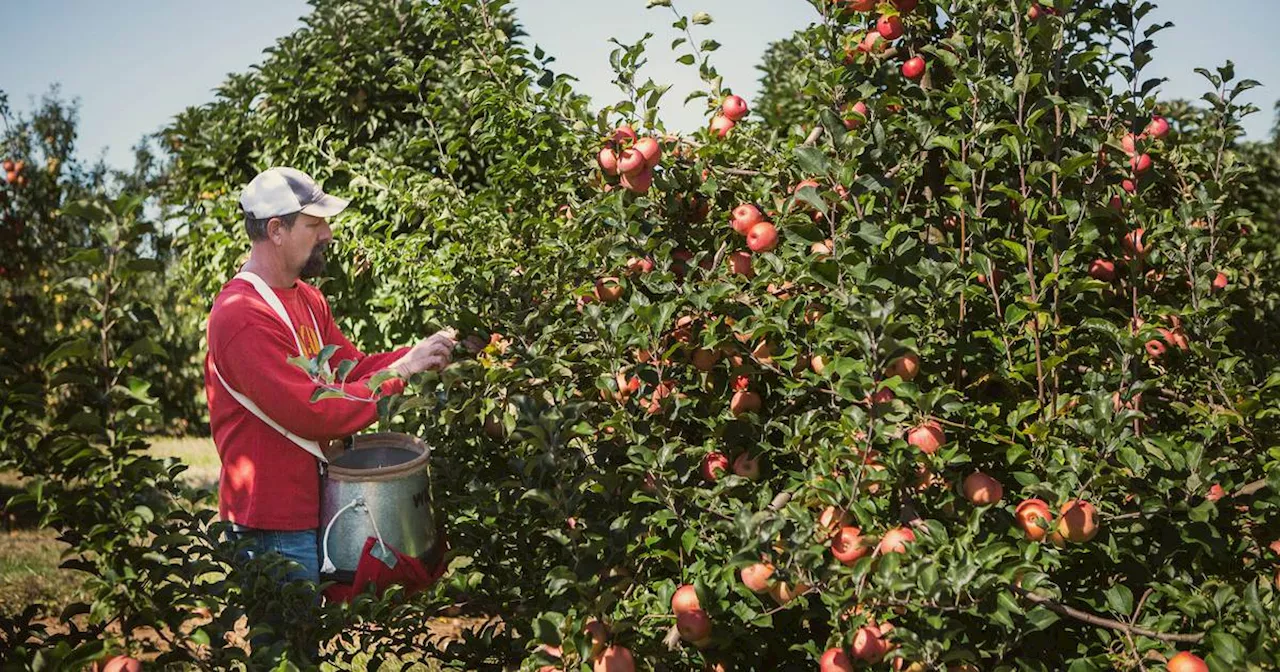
x=400, y=505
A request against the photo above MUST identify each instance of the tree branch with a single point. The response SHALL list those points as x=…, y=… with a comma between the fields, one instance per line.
x=1093, y=619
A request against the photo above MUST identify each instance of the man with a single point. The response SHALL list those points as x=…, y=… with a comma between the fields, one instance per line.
x=268, y=433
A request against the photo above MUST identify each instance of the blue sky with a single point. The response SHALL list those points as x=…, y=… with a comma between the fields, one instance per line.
x=135, y=64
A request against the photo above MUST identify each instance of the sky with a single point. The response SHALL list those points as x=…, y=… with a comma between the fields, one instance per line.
x=133, y=65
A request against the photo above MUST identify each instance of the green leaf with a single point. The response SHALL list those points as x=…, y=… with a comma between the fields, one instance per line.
x=812, y=161
x=1119, y=599
x=80, y=347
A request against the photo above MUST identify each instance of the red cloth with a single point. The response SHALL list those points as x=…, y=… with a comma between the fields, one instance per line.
x=267, y=481
x=410, y=572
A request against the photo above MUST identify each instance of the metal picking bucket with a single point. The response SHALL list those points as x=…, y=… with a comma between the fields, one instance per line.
x=379, y=488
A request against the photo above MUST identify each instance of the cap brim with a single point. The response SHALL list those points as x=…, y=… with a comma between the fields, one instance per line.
x=326, y=207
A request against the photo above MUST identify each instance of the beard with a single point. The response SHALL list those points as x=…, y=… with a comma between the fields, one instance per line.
x=315, y=263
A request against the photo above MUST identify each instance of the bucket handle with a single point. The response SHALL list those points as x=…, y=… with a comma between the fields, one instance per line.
x=327, y=566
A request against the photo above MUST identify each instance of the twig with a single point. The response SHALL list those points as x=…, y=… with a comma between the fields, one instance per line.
x=1251, y=488
x=1094, y=619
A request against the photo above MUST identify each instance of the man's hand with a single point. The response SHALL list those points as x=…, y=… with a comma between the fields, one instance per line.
x=430, y=354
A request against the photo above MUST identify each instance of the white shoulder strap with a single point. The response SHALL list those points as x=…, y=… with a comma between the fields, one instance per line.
x=272, y=300
x=308, y=445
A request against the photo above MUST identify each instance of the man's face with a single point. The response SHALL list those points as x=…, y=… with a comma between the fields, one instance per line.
x=304, y=245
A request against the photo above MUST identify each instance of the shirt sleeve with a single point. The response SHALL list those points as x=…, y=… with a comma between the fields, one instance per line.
x=254, y=362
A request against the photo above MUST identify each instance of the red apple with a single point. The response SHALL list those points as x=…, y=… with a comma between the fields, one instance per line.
x=1103, y=270
x=883, y=396
x=982, y=490
x=905, y=6
x=1078, y=521
x=849, y=545
x=631, y=161
x=861, y=5
x=758, y=577
x=823, y=248
x=636, y=265
x=890, y=27
x=608, y=161
x=783, y=592
x=927, y=436
x=1129, y=186
x=830, y=521
x=714, y=465
x=1158, y=128
x=695, y=627
x=855, y=114
x=704, y=359
x=740, y=263
x=835, y=660
x=873, y=41
x=745, y=216
x=905, y=367
x=762, y=237
x=721, y=125
x=1140, y=163
x=615, y=659
x=1135, y=243
x=624, y=133
x=650, y=150
x=743, y=402
x=1220, y=281
x=868, y=645
x=896, y=540
x=746, y=466
x=1033, y=517
x=608, y=290
x=997, y=278
x=1129, y=143
x=638, y=182
x=122, y=664
x=913, y=69
x=598, y=635
x=804, y=183
x=1185, y=661
x=685, y=599
x=734, y=108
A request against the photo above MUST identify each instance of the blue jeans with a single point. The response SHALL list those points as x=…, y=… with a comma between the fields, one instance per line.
x=303, y=548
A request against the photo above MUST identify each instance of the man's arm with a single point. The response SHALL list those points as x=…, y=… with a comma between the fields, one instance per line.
x=255, y=363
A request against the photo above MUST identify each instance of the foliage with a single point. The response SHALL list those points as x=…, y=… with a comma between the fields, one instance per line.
x=957, y=221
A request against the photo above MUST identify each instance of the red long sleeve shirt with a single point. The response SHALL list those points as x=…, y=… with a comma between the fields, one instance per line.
x=267, y=481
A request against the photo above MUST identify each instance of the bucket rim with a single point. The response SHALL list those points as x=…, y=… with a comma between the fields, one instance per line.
x=383, y=440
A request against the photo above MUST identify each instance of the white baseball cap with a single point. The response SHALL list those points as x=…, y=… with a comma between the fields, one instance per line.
x=280, y=191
